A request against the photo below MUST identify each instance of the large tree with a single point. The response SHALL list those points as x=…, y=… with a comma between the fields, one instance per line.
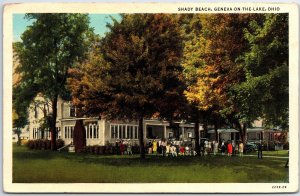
x=136, y=72
x=49, y=47
x=264, y=91
x=237, y=65
x=210, y=63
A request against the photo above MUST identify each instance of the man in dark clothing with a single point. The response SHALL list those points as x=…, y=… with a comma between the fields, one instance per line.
x=259, y=150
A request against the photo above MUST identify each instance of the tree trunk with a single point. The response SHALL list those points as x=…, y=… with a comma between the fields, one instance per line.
x=19, y=137
x=205, y=129
x=45, y=119
x=79, y=139
x=197, y=137
x=244, y=133
x=141, y=137
x=216, y=132
x=53, y=124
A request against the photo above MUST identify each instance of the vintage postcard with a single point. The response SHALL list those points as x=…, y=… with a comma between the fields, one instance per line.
x=151, y=98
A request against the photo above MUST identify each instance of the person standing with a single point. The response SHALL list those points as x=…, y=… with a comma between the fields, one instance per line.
x=149, y=147
x=229, y=148
x=233, y=147
x=205, y=147
x=129, y=148
x=173, y=151
x=241, y=149
x=216, y=146
x=223, y=148
x=259, y=150
x=209, y=147
x=122, y=147
x=168, y=149
x=154, y=147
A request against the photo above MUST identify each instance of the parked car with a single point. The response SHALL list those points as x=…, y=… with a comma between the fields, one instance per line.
x=250, y=147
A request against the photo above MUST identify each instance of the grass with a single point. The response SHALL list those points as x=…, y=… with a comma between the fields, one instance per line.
x=34, y=166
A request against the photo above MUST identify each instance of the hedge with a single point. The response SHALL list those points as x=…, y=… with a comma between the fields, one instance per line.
x=43, y=144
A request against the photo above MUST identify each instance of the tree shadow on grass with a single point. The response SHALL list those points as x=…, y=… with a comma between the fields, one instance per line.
x=34, y=154
x=209, y=161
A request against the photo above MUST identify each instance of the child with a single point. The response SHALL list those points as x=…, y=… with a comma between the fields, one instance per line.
x=173, y=151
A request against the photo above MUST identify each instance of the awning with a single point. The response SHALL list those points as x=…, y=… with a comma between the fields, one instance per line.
x=256, y=129
x=224, y=131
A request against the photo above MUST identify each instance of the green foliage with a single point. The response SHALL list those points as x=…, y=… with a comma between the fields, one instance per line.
x=264, y=92
x=52, y=44
x=43, y=144
x=49, y=47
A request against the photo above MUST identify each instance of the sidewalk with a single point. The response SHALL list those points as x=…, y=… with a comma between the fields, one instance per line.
x=267, y=156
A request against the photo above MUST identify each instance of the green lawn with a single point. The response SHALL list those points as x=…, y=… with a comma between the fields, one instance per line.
x=47, y=166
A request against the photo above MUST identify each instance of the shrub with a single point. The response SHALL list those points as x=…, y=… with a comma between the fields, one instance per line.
x=30, y=144
x=43, y=144
x=101, y=150
x=60, y=143
x=286, y=146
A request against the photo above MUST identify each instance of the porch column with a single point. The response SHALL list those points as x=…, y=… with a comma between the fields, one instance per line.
x=165, y=131
x=145, y=130
x=234, y=137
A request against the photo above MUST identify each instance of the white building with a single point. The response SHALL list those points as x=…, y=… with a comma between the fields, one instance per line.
x=100, y=131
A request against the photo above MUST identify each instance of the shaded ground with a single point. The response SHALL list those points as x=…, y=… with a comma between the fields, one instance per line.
x=47, y=166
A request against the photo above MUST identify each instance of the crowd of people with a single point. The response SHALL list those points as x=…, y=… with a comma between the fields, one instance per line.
x=181, y=148
x=170, y=148
x=125, y=147
x=176, y=148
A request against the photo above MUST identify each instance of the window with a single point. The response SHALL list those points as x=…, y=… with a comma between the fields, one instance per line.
x=113, y=131
x=258, y=136
x=96, y=134
x=129, y=132
x=46, y=109
x=69, y=131
x=120, y=132
x=91, y=131
x=36, y=114
x=271, y=136
x=66, y=132
x=136, y=132
x=170, y=134
x=123, y=131
x=190, y=134
x=72, y=111
x=58, y=133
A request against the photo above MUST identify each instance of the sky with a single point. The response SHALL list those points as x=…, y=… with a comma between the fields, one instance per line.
x=97, y=21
